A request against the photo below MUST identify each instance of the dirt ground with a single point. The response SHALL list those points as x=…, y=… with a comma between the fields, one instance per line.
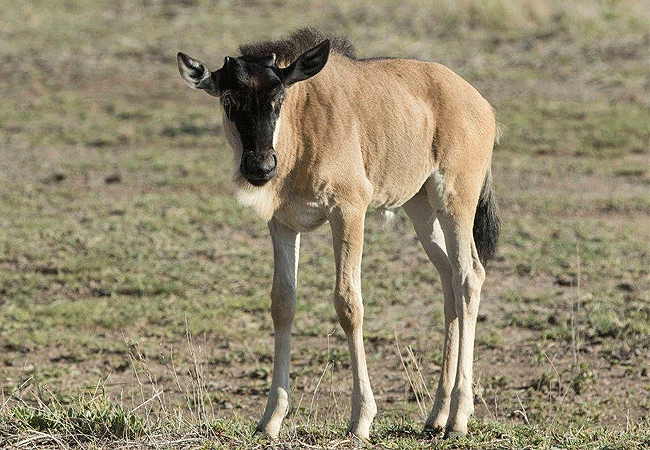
x=126, y=266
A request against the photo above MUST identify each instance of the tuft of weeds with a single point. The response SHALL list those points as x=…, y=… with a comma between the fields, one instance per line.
x=417, y=386
x=89, y=416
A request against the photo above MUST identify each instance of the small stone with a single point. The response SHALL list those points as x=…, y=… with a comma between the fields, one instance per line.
x=564, y=280
x=56, y=177
x=626, y=287
x=113, y=179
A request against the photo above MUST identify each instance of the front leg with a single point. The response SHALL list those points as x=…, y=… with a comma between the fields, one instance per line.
x=286, y=245
x=347, y=236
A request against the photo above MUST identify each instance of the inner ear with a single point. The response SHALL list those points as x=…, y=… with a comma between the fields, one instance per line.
x=307, y=65
x=197, y=75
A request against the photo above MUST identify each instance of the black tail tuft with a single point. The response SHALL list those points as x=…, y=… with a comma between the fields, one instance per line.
x=487, y=222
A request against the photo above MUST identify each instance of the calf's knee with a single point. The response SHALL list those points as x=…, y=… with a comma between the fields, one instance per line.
x=349, y=310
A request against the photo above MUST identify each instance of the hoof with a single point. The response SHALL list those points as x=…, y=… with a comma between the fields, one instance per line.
x=452, y=435
x=432, y=432
x=358, y=441
x=357, y=436
x=263, y=430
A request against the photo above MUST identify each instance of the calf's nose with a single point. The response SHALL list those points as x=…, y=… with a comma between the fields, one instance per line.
x=261, y=164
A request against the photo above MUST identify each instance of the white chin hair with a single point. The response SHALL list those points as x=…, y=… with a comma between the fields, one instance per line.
x=258, y=198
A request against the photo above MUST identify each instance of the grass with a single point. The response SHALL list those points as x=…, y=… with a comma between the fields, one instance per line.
x=92, y=421
x=34, y=417
x=134, y=290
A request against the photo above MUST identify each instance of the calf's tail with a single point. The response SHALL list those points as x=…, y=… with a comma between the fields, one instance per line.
x=487, y=221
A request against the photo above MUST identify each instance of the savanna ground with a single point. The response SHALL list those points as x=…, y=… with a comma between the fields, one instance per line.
x=134, y=290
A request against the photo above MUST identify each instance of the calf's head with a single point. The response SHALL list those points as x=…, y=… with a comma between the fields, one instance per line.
x=251, y=90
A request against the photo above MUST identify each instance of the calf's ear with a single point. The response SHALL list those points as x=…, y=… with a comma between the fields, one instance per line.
x=307, y=65
x=197, y=75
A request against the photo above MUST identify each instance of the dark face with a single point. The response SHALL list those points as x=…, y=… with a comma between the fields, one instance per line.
x=251, y=95
x=252, y=90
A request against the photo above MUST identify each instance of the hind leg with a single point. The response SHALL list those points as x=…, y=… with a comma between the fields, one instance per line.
x=430, y=235
x=467, y=279
x=453, y=191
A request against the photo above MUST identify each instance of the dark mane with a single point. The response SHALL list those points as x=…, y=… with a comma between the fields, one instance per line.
x=288, y=49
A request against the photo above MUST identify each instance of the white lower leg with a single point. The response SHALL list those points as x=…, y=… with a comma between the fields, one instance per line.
x=277, y=404
x=363, y=402
x=439, y=414
x=462, y=399
x=350, y=312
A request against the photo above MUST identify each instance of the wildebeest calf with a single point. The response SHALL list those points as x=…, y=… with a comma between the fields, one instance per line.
x=320, y=136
